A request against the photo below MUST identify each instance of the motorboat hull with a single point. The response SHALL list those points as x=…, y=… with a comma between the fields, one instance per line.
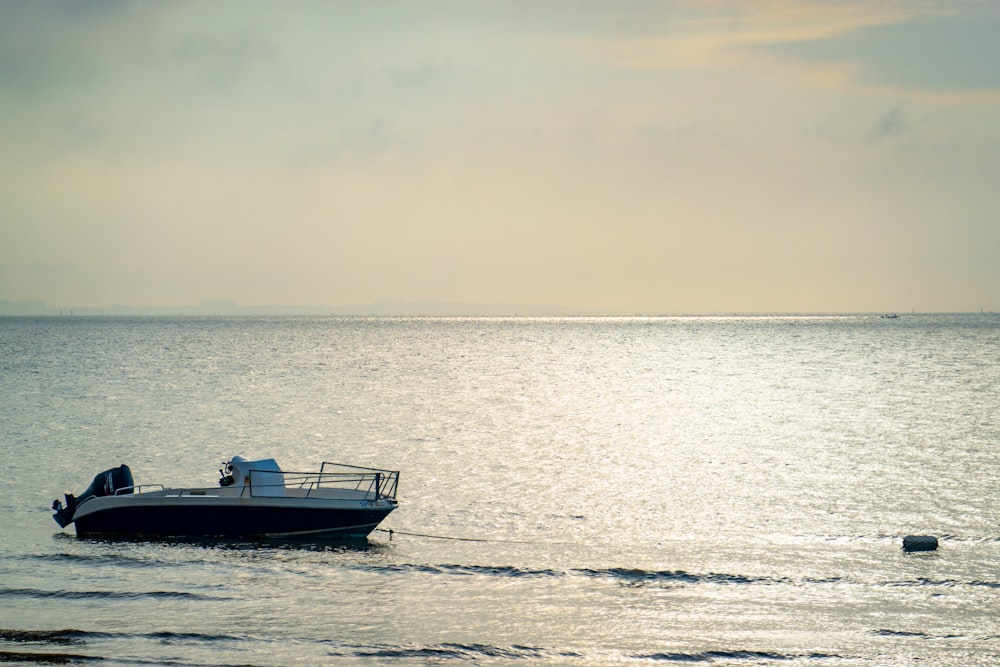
x=255, y=518
x=255, y=499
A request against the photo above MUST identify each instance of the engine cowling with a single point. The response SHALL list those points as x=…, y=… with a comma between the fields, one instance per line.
x=111, y=482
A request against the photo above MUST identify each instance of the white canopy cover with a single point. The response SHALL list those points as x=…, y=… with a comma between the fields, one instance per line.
x=267, y=479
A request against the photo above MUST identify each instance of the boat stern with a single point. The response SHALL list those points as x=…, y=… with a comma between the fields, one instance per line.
x=108, y=483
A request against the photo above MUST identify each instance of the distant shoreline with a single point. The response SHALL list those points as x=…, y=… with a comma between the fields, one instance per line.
x=232, y=308
x=397, y=309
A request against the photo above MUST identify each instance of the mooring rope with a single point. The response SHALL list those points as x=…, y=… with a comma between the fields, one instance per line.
x=433, y=537
x=457, y=539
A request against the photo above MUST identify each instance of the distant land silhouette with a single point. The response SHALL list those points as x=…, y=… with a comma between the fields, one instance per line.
x=227, y=307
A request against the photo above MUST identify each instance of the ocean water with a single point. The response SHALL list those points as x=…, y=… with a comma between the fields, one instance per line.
x=635, y=491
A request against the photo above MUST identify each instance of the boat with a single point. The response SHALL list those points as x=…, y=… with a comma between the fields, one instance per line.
x=254, y=499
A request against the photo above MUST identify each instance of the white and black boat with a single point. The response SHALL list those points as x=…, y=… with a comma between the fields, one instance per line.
x=254, y=499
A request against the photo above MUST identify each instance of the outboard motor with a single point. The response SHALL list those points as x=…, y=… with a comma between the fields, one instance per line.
x=108, y=483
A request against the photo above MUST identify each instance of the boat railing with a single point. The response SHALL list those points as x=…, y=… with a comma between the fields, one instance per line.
x=367, y=483
x=139, y=488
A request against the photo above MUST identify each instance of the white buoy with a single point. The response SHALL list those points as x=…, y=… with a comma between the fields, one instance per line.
x=920, y=543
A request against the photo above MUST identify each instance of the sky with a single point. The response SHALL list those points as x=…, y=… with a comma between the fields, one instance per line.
x=627, y=157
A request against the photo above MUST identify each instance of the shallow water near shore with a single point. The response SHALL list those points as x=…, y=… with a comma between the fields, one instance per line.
x=573, y=491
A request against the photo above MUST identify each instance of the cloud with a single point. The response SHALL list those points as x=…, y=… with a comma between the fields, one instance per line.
x=58, y=46
x=223, y=62
x=935, y=51
x=705, y=36
x=949, y=52
x=891, y=124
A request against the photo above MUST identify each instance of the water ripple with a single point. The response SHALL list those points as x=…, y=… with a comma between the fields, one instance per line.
x=99, y=559
x=641, y=577
x=65, y=636
x=24, y=657
x=458, y=652
x=913, y=635
x=115, y=595
x=76, y=636
x=713, y=656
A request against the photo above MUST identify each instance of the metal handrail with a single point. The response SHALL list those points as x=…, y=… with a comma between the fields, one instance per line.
x=379, y=484
x=127, y=490
x=384, y=484
x=375, y=482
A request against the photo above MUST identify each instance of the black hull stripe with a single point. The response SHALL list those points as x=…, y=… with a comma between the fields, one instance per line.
x=223, y=521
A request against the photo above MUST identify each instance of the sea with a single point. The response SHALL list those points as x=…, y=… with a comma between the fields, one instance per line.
x=573, y=491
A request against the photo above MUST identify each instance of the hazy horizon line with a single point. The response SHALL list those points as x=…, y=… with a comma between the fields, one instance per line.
x=400, y=308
